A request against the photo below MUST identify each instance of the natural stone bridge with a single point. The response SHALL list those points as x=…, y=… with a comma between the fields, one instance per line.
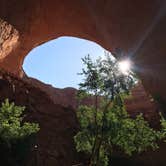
x=137, y=27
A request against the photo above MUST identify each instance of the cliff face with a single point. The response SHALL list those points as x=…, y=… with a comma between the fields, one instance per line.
x=55, y=113
x=137, y=27
x=142, y=102
x=139, y=102
x=57, y=123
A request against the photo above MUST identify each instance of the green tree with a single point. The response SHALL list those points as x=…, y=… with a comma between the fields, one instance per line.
x=13, y=129
x=106, y=124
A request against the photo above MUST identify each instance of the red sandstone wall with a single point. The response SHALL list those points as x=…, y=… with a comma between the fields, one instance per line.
x=138, y=27
x=58, y=123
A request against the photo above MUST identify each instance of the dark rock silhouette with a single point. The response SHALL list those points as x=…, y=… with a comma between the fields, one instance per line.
x=56, y=115
x=137, y=27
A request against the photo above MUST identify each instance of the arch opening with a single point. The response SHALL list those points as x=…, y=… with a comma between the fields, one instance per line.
x=58, y=62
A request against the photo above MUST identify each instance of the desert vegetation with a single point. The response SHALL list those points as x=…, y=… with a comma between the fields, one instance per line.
x=105, y=125
x=16, y=136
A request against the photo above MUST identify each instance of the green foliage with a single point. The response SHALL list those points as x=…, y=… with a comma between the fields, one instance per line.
x=163, y=125
x=15, y=134
x=104, y=77
x=131, y=135
x=11, y=123
x=106, y=124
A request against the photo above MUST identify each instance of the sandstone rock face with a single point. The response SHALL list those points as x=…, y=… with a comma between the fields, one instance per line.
x=137, y=27
x=58, y=124
x=8, y=39
x=65, y=97
x=141, y=102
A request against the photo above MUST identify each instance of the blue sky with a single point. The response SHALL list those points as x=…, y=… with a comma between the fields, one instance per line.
x=57, y=62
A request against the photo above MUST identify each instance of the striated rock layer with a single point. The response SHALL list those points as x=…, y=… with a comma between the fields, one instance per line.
x=137, y=27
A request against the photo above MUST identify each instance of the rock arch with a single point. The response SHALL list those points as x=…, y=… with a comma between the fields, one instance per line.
x=138, y=27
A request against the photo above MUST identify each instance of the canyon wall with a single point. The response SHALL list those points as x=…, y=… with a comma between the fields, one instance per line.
x=137, y=27
x=58, y=124
x=55, y=109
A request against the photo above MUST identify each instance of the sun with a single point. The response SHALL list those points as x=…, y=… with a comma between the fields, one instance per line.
x=124, y=66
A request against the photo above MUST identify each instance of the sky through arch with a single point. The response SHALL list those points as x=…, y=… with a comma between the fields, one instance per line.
x=57, y=62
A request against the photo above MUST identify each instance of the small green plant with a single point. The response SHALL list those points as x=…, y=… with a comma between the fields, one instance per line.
x=13, y=130
x=106, y=124
x=163, y=127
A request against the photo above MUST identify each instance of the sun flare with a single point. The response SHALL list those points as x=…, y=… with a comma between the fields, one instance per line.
x=124, y=66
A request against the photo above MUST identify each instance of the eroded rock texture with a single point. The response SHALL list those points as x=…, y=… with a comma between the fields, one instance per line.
x=142, y=102
x=137, y=27
x=8, y=38
x=58, y=123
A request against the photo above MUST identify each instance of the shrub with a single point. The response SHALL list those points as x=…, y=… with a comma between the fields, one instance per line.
x=14, y=132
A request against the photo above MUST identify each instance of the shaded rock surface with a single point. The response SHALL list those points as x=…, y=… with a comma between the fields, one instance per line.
x=142, y=102
x=139, y=102
x=137, y=27
x=66, y=97
x=57, y=120
x=57, y=123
